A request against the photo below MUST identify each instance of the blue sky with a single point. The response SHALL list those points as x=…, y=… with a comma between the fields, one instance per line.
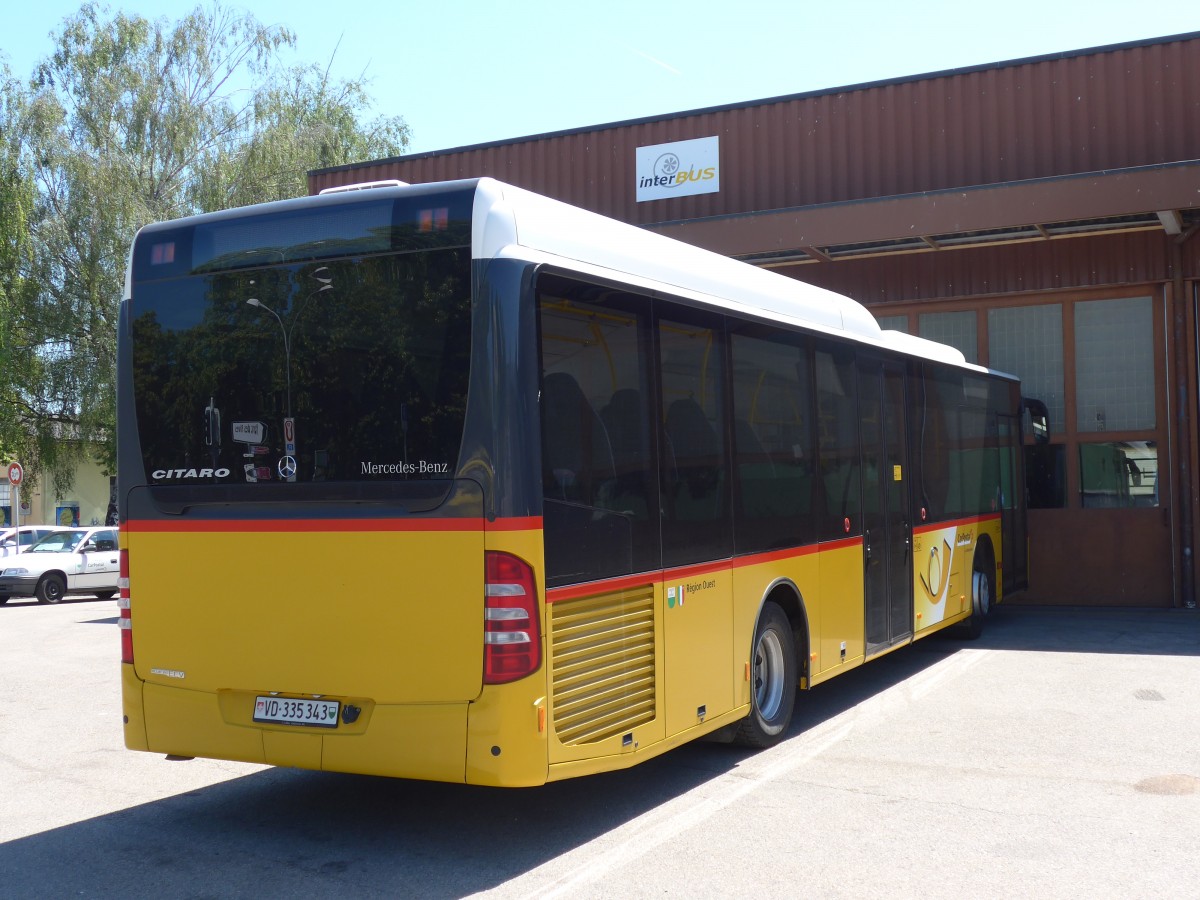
x=469, y=71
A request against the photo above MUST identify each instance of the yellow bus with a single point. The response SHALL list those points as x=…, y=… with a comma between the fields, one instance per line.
x=457, y=482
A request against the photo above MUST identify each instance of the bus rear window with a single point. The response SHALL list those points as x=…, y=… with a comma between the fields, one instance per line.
x=348, y=370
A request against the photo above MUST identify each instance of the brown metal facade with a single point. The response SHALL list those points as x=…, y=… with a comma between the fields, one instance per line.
x=1119, y=107
x=1022, y=268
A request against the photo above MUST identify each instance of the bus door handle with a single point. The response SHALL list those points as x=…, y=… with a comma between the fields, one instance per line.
x=867, y=543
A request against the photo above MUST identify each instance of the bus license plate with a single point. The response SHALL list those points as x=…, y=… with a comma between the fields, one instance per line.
x=293, y=711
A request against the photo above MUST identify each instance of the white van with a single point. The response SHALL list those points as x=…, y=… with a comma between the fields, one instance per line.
x=66, y=561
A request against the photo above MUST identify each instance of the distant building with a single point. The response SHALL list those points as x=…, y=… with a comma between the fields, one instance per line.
x=87, y=502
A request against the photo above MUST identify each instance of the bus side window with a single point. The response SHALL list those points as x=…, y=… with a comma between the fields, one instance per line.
x=772, y=440
x=625, y=418
x=697, y=515
x=577, y=459
x=599, y=504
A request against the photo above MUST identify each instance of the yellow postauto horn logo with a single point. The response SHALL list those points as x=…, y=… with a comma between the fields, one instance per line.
x=937, y=569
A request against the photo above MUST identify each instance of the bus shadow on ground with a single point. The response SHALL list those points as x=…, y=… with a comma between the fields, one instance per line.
x=285, y=832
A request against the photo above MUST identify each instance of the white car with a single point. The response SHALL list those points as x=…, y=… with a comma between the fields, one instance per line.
x=66, y=561
x=12, y=543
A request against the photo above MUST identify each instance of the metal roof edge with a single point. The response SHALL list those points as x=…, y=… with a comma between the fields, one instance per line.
x=768, y=101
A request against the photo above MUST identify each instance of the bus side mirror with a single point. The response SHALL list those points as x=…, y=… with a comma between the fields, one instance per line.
x=1039, y=419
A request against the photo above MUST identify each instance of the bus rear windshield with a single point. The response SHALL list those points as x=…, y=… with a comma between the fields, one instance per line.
x=332, y=370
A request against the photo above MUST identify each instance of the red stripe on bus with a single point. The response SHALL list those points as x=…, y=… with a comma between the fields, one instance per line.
x=757, y=559
x=843, y=544
x=604, y=586
x=626, y=582
x=517, y=523
x=188, y=526
x=955, y=523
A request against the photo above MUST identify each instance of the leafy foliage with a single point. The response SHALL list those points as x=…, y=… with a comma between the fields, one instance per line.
x=128, y=122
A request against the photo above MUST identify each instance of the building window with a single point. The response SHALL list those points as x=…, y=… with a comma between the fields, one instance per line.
x=1028, y=341
x=1114, y=365
x=1095, y=364
x=954, y=328
x=1118, y=475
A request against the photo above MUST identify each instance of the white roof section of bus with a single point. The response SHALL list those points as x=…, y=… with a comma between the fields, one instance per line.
x=551, y=231
x=925, y=348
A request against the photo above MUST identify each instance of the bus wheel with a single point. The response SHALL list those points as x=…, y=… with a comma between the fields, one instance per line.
x=50, y=589
x=981, y=597
x=3, y=599
x=772, y=680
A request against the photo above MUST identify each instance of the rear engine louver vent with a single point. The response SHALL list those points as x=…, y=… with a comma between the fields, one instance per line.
x=602, y=659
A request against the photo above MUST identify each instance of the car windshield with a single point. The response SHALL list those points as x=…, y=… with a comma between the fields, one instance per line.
x=58, y=542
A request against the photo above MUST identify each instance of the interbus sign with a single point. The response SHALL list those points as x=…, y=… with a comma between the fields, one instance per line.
x=679, y=169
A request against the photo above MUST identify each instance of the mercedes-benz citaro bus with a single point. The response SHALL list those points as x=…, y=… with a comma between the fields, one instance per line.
x=457, y=482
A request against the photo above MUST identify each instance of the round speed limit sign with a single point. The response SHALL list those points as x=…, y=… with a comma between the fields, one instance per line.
x=15, y=474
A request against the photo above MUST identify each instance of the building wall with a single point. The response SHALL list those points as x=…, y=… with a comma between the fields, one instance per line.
x=1118, y=107
x=86, y=502
x=1008, y=269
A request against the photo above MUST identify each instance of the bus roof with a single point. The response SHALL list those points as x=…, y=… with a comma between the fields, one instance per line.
x=511, y=221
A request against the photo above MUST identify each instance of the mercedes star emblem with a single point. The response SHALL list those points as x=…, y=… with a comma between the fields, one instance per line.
x=287, y=468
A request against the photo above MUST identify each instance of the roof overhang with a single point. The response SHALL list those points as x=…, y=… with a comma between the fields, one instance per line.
x=1165, y=198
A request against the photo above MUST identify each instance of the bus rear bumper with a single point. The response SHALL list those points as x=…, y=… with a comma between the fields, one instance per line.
x=422, y=741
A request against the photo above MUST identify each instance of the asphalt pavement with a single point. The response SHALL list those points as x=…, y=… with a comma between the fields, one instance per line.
x=1057, y=756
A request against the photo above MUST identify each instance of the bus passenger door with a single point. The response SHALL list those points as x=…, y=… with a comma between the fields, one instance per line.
x=887, y=531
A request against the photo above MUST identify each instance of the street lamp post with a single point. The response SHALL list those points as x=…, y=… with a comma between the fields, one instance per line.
x=321, y=275
x=287, y=349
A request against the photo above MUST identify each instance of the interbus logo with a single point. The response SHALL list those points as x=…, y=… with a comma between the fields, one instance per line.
x=678, y=169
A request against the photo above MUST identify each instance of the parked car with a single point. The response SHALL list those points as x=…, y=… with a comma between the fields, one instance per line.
x=12, y=542
x=66, y=561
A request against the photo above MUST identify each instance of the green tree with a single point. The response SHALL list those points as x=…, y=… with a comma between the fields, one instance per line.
x=129, y=122
x=300, y=119
x=22, y=367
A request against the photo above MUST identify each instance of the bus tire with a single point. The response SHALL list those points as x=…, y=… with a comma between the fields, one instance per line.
x=982, y=593
x=51, y=588
x=3, y=599
x=772, y=680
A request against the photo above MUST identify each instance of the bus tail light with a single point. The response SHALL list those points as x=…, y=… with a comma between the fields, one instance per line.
x=125, y=622
x=512, y=635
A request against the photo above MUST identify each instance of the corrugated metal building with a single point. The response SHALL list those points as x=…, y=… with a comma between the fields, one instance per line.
x=1039, y=214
